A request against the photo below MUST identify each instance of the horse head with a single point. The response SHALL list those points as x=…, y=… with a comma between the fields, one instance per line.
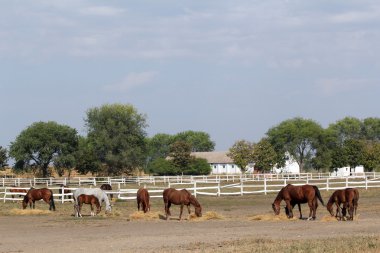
x=198, y=211
x=330, y=208
x=25, y=201
x=276, y=208
x=108, y=208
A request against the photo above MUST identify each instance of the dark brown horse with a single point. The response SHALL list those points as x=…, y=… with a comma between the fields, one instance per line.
x=107, y=187
x=88, y=199
x=37, y=194
x=348, y=198
x=296, y=195
x=180, y=197
x=143, y=199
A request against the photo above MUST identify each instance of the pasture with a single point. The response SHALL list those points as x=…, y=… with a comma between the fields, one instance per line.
x=229, y=224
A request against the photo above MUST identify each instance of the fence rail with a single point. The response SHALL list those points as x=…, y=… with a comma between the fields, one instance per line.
x=215, y=186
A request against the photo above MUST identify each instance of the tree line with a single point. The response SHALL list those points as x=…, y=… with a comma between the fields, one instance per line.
x=116, y=143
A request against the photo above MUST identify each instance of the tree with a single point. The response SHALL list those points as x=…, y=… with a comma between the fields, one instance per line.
x=158, y=147
x=300, y=137
x=371, y=129
x=42, y=144
x=117, y=134
x=198, y=166
x=242, y=154
x=3, y=157
x=86, y=159
x=264, y=155
x=180, y=154
x=199, y=141
x=347, y=128
x=162, y=167
x=371, y=154
x=354, y=150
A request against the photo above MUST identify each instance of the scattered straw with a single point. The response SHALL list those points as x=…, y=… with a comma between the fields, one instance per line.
x=140, y=215
x=16, y=211
x=211, y=215
x=271, y=217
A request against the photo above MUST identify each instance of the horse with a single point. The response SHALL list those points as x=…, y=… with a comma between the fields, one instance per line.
x=143, y=199
x=98, y=193
x=17, y=190
x=349, y=197
x=64, y=191
x=296, y=195
x=88, y=199
x=180, y=197
x=107, y=187
x=37, y=194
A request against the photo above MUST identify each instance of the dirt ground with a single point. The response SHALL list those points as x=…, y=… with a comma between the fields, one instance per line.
x=61, y=232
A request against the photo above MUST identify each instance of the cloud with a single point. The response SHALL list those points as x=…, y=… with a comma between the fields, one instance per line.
x=101, y=11
x=332, y=86
x=131, y=81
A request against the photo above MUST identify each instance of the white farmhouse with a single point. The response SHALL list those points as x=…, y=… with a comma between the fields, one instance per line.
x=291, y=166
x=347, y=171
x=220, y=163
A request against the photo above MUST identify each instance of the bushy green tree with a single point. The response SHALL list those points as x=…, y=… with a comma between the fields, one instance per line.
x=163, y=167
x=3, y=157
x=42, y=144
x=242, y=154
x=86, y=159
x=117, y=134
x=264, y=155
x=199, y=141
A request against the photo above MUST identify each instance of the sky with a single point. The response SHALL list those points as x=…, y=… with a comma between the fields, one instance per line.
x=233, y=69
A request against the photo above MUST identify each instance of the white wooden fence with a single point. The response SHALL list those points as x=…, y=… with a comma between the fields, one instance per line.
x=210, y=186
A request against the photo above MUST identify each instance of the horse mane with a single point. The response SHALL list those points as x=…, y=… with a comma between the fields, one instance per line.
x=194, y=201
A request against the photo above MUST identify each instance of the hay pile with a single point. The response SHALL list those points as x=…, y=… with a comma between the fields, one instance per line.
x=16, y=211
x=211, y=215
x=271, y=217
x=140, y=215
x=329, y=218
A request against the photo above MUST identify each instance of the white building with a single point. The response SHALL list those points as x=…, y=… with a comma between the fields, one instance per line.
x=220, y=163
x=291, y=166
x=347, y=171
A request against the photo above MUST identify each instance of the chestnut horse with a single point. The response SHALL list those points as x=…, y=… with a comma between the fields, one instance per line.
x=17, y=190
x=143, y=199
x=296, y=195
x=349, y=197
x=180, y=197
x=87, y=199
x=107, y=187
x=37, y=194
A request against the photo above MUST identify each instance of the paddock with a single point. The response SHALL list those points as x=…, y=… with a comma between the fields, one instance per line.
x=235, y=229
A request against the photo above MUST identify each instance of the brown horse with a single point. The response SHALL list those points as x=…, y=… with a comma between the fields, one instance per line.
x=180, y=197
x=17, y=190
x=107, y=187
x=349, y=197
x=143, y=199
x=87, y=199
x=296, y=195
x=37, y=194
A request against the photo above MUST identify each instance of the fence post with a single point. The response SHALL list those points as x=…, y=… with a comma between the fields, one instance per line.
x=346, y=182
x=5, y=194
x=218, y=189
x=62, y=194
x=94, y=181
x=195, y=188
x=265, y=185
x=284, y=181
x=3, y=182
x=366, y=183
x=327, y=184
x=241, y=186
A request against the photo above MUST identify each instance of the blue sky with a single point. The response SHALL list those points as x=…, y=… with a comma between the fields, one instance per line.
x=230, y=68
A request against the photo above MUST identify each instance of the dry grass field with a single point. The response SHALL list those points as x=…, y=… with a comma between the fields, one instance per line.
x=229, y=224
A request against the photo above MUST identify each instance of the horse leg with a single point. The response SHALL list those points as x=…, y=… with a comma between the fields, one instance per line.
x=188, y=208
x=92, y=210
x=311, y=207
x=138, y=205
x=290, y=209
x=299, y=208
x=338, y=214
x=180, y=213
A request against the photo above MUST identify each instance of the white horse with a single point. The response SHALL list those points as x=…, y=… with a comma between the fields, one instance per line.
x=98, y=193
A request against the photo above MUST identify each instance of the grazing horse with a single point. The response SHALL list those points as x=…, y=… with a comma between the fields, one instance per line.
x=107, y=187
x=180, y=197
x=64, y=191
x=143, y=199
x=88, y=199
x=37, y=194
x=17, y=190
x=349, y=197
x=296, y=195
x=98, y=193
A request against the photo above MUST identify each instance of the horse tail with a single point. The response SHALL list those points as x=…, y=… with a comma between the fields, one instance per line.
x=318, y=194
x=52, y=204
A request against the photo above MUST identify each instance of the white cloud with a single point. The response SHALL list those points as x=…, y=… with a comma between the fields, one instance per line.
x=333, y=86
x=132, y=80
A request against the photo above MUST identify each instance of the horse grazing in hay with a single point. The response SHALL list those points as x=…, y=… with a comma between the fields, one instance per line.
x=91, y=200
x=348, y=197
x=37, y=194
x=107, y=187
x=98, y=193
x=296, y=195
x=180, y=197
x=143, y=200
